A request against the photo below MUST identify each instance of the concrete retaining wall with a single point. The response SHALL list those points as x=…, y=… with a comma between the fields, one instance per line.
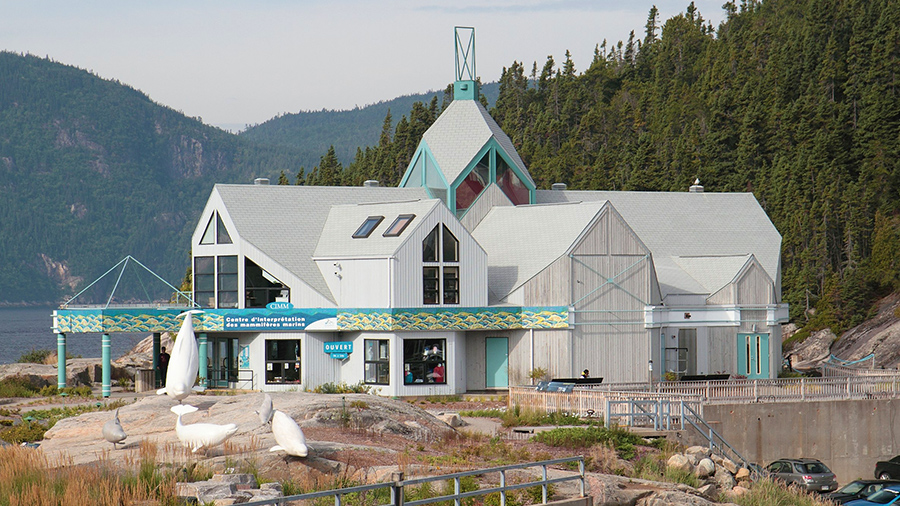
x=848, y=436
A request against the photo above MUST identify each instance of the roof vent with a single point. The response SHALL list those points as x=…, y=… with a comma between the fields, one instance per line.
x=696, y=187
x=371, y=183
x=261, y=180
x=558, y=186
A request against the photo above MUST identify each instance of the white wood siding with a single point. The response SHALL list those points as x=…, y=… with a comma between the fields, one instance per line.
x=358, y=282
x=754, y=286
x=722, y=343
x=408, y=288
x=320, y=367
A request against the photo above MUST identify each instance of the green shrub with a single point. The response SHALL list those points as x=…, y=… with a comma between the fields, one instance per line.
x=49, y=391
x=25, y=432
x=34, y=356
x=676, y=475
x=584, y=437
x=17, y=386
x=342, y=388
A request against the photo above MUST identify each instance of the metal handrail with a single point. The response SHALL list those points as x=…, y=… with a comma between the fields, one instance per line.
x=397, y=486
x=713, y=436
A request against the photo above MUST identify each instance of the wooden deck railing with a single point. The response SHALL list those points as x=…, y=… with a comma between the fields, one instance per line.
x=592, y=401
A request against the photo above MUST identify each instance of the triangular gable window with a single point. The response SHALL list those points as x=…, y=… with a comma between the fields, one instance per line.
x=222, y=236
x=216, y=234
x=209, y=235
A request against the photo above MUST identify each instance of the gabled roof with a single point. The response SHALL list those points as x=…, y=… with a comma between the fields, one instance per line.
x=685, y=224
x=713, y=272
x=285, y=222
x=508, y=235
x=458, y=135
x=337, y=239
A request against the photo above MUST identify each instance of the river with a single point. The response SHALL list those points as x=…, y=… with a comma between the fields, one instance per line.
x=23, y=329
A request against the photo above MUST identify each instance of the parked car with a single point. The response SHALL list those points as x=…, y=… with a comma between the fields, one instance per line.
x=887, y=495
x=810, y=474
x=888, y=469
x=859, y=489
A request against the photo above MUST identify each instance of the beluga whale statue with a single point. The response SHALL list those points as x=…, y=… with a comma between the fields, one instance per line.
x=200, y=435
x=265, y=410
x=288, y=435
x=113, y=431
x=184, y=363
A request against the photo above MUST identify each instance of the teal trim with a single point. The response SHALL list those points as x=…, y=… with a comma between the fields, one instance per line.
x=60, y=361
x=465, y=90
x=107, y=368
x=203, y=351
x=518, y=171
x=146, y=320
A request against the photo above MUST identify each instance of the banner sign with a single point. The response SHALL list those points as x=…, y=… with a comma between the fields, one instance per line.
x=286, y=319
x=339, y=349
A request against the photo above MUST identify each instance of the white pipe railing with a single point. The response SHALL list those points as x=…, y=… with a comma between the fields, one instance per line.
x=583, y=401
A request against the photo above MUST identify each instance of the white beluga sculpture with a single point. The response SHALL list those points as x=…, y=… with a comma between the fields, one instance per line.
x=288, y=435
x=200, y=435
x=113, y=431
x=184, y=363
x=265, y=410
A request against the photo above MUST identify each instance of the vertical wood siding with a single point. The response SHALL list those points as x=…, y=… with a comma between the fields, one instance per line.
x=722, y=349
x=491, y=197
x=407, y=268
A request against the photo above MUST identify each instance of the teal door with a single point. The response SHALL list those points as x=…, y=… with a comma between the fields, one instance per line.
x=496, y=361
x=753, y=355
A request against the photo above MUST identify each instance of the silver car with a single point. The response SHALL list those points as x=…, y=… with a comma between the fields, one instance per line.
x=810, y=474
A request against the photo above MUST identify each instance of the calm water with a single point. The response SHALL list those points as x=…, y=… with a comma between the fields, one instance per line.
x=24, y=329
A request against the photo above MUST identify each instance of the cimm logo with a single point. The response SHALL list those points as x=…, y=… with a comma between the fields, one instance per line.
x=279, y=305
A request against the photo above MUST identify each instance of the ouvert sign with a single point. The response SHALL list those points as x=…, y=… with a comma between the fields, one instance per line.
x=339, y=349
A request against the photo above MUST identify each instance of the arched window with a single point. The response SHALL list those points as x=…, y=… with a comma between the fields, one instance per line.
x=440, y=267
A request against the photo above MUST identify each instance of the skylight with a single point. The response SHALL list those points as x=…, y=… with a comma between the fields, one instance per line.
x=399, y=225
x=365, y=230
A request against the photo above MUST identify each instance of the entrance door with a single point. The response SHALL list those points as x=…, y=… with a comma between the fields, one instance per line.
x=222, y=361
x=496, y=362
x=753, y=355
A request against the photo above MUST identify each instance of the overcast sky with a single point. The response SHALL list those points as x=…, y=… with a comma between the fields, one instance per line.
x=238, y=62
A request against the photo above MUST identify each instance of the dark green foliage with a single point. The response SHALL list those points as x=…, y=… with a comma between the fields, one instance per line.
x=17, y=386
x=585, y=437
x=34, y=356
x=92, y=170
x=342, y=388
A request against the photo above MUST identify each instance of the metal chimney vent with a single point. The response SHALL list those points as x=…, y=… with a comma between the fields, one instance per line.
x=261, y=180
x=371, y=183
x=696, y=187
x=558, y=186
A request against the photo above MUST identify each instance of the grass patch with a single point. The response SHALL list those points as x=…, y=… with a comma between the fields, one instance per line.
x=17, y=386
x=623, y=441
x=518, y=417
x=768, y=493
x=483, y=413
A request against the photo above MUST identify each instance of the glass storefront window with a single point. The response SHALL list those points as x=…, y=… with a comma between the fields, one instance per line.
x=282, y=361
x=228, y=281
x=424, y=361
x=378, y=361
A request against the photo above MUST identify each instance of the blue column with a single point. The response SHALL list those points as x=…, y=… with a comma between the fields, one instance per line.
x=60, y=361
x=106, y=366
x=204, y=359
x=156, y=360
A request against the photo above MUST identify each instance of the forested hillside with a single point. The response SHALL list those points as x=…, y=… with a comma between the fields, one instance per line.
x=316, y=131
x=92, y=170
x=795, y=101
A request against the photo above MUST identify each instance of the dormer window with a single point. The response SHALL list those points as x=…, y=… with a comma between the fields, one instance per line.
x=399, y=225
x=440, y=267
x=368, y=226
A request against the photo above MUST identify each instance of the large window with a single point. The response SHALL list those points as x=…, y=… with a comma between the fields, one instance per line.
x=282, y=361
x=378, y=361
x=440, y=269
x=262, y=287
x=424, y=361
x=205, y=281
x=228, y=281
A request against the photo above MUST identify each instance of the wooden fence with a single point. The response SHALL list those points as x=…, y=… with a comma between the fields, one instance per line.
x=592, y=401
